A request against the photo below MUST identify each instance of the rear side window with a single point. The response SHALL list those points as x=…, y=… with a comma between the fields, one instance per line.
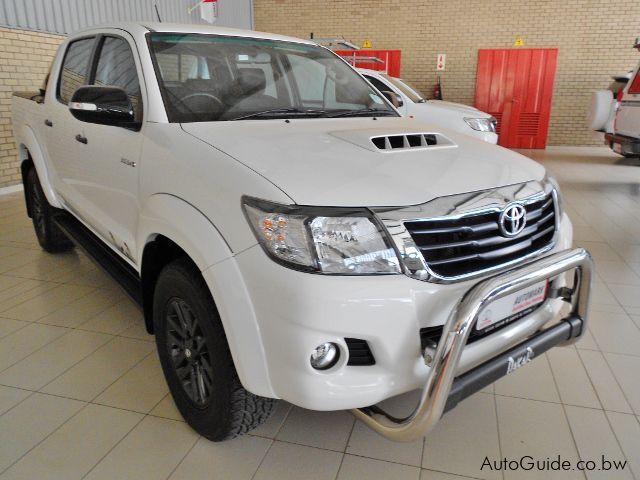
x=117, y=68
x=74, y=68
x=635, y=84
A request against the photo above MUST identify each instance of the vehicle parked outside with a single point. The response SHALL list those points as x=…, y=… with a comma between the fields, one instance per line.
x=454, y=116
x=287, y=234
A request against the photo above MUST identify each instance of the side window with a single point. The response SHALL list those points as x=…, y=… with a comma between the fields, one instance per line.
x=74, y=68
x=117, y=68
x=380, y=86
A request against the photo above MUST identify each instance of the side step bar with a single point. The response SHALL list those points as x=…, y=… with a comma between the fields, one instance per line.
x=442, y=390
x=101, y=254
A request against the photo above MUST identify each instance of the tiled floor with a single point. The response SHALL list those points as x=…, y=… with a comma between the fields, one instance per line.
x=82, y=394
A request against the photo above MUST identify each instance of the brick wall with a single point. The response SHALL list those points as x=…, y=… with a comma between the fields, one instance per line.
x=25, y=58
x=594, y=40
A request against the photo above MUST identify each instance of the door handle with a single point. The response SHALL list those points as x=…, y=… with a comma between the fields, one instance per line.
x=81, y=139
x=48, y=123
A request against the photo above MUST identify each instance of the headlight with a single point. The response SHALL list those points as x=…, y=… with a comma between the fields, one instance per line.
x=343, y=241
x=550, y=179
x=482, y=124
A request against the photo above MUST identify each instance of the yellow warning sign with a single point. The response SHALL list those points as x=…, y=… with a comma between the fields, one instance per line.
x=367, y=44
x=519, y=42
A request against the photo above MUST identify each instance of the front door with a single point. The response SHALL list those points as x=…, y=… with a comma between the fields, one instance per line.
x=515, y=85
x=110, y=171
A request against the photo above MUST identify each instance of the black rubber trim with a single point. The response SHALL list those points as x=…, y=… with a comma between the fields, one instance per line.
x=496, y=368
x=615, y=138
x=123, y=273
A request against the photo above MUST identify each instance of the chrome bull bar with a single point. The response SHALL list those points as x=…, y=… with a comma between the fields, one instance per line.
x=443, y=363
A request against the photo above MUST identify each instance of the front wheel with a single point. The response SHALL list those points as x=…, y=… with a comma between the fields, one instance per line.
x=196, y=360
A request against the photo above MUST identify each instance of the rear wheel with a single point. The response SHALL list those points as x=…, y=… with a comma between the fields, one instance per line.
x=196, y=360
x=49, y=235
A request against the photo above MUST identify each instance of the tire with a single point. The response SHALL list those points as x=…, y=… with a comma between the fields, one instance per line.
x=50, y=237
x=196, y=360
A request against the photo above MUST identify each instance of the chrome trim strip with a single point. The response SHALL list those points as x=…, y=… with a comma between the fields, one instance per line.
x=455, y=207
x=444, y=362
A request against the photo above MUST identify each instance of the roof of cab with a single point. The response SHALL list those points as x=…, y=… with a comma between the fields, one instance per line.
x=138, y=27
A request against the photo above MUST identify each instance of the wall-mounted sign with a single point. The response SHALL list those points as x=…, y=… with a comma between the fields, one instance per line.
x=441, y=61
x=519, y=42
x=367, y=44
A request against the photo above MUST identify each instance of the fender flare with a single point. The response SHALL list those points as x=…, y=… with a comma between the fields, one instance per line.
x=29, y=142
x=186, y=226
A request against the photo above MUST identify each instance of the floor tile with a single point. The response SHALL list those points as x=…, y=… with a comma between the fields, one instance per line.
x=46, y=303
x=537, y=429
x=20, y=344
x=167, y=409
x=354, y=468
x=571, y=378
x=236, y=459
x=8, y=326
x=95, y=373
x=286, y=461
x=23, y=292
x=627, y=295
x=72, y=450
x=477, y=414
x=10, y=397
x=367, y=443
x=586, y=342
x=39, y=368
x=617, y=272
x=24, y=426
x=586, y=425
x=615, y=333
x=328, y=430
x=141, y=455
x=628, y=434
x=609, y=392
x=140, y=389
x=81, y=310
x=533, y=381
x=116, y=318
x=626, y=370
x=432, y=475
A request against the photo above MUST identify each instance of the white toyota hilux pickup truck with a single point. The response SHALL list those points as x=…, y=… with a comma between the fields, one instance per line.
x=287, y=234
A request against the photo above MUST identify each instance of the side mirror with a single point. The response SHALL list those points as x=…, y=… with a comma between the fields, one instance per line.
x=103, y=105
x=394, y=98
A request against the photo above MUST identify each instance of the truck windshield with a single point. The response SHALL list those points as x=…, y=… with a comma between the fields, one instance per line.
x=207, y=78
x=409, y=90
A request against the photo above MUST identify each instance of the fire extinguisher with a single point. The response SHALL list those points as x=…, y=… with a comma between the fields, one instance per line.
x=437, y=90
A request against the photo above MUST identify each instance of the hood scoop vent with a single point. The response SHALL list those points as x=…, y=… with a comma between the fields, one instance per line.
x=398, y=142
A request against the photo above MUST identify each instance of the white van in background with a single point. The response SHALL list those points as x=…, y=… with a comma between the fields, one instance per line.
x=454, y=116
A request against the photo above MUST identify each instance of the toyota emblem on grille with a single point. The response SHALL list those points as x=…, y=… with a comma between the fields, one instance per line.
x=513, y=220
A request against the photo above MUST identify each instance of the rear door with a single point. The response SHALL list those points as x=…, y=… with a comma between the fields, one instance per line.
x=62, y=128
x=627, y=120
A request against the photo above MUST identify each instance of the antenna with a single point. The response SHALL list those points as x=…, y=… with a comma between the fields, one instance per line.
x=158, y=12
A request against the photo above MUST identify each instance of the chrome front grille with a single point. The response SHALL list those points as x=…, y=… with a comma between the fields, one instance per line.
x=458, y=246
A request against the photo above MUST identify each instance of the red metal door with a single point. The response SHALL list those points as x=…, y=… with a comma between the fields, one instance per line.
x=515, y=85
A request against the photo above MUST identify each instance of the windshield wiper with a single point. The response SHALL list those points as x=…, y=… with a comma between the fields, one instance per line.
x=362, y=111
x=274, y=112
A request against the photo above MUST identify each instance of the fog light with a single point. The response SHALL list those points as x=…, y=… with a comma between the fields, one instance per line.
x=325, y=356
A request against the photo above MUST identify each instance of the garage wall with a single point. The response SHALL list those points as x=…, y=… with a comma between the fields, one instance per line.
x=594, y=40
x=25, y=57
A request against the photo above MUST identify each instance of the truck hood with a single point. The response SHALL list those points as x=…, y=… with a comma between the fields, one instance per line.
x=333, y=162
x=465, y=110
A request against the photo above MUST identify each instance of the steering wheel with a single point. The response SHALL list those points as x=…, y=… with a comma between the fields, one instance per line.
x=219, y=103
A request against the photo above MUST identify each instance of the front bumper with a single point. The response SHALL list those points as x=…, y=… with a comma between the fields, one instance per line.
x=294, y=312
x=443, y=387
